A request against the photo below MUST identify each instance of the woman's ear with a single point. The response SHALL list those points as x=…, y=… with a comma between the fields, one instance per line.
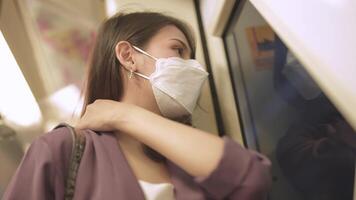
x=124, y=53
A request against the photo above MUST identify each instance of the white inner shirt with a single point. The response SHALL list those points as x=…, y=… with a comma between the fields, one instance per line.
x=157, y=191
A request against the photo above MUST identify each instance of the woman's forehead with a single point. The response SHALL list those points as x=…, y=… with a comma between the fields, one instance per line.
x=171, y=33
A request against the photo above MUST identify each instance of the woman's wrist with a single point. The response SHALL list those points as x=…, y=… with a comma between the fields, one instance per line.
x=124, y=122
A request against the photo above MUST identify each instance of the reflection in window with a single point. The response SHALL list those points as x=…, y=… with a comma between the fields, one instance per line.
x=316, y=154
x=286, y=116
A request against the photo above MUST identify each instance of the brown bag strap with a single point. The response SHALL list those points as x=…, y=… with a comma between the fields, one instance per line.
x=76, y=156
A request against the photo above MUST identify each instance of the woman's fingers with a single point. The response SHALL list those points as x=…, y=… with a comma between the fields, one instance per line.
x=102, y=115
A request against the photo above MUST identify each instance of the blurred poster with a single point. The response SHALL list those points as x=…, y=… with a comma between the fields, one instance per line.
x=261, y=41
x=63, y=39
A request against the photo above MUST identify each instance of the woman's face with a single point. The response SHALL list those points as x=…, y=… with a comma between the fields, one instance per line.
x=168, y=42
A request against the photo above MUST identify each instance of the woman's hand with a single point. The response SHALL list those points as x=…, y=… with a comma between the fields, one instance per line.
x=106, y=115
x=184, y=145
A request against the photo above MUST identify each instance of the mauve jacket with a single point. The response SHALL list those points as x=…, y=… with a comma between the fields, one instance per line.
x=104, y=172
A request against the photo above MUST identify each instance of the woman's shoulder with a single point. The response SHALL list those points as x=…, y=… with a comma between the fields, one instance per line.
x=44, y=166
x=56, y=144
x=58, y=139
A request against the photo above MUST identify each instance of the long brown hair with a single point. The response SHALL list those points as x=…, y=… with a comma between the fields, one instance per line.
x=104, y=79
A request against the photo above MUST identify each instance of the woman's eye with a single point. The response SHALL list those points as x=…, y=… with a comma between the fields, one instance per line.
x=179, y=50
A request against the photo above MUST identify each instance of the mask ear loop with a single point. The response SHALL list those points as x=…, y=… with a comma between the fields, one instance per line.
x=147, y=54
x=144, y=52
x=138, y=74
x=143, y=76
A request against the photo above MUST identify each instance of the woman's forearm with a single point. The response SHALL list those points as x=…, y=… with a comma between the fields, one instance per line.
x=195, y=151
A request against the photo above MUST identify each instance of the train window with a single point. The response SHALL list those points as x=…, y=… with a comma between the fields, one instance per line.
x=285, y=115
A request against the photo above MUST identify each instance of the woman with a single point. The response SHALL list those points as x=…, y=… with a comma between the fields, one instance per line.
x=142, y=86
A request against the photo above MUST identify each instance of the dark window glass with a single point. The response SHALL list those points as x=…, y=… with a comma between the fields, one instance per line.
x=286, y=116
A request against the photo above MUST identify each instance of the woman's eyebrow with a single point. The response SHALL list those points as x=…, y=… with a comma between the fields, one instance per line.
x=185, y=46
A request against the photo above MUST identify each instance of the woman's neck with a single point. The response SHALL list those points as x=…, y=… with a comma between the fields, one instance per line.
x=129, y=144
x=133, y=95
x=136, y=95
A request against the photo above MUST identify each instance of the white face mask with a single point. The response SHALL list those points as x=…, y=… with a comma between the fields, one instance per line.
x=176, y=84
